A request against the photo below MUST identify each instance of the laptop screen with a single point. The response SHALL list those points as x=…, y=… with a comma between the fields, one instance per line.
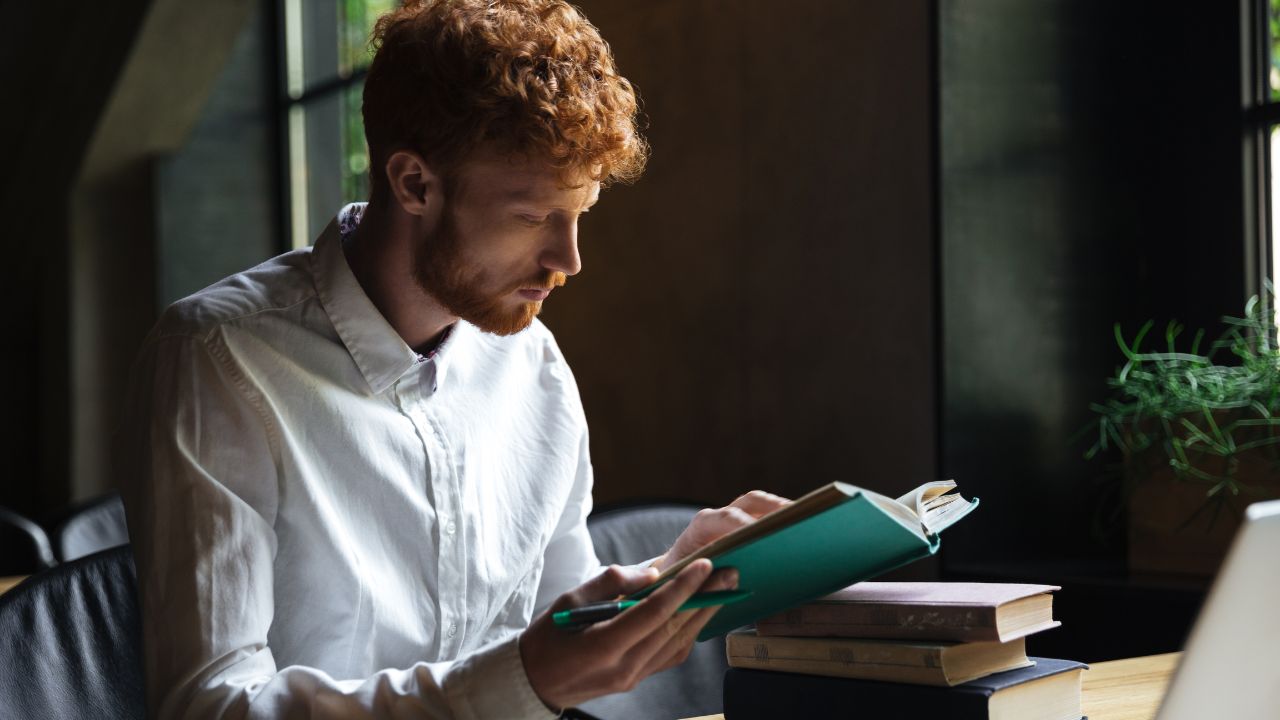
x=1229, y=668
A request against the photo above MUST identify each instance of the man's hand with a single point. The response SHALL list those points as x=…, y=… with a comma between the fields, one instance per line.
x=568, y=667
x=710, y=525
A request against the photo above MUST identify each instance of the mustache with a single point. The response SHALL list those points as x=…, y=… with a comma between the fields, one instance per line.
x=543, y=281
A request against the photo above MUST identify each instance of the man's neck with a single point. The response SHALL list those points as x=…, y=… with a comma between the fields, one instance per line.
x=380, y=254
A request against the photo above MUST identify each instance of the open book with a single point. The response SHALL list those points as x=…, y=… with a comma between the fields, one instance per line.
x=832, y=537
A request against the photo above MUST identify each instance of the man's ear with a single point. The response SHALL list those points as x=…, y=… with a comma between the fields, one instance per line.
x=413, y=186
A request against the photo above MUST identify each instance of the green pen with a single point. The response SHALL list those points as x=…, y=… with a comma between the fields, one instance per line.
x=597, y=612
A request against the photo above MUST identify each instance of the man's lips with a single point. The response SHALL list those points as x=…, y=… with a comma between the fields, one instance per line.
x=533, y=294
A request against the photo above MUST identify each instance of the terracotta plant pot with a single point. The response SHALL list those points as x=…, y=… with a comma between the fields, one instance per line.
x=1173, y=531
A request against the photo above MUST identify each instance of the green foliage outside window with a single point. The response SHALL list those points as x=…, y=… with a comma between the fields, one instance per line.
x=1273, y=42
x=356, y=20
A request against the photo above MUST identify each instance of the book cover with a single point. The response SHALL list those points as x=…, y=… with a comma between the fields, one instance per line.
x=919, y=662
x=1047, y=690
x=836, y=535
x=921, y=610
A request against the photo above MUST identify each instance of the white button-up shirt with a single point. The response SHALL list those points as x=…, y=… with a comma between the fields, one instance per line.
x=327, y=524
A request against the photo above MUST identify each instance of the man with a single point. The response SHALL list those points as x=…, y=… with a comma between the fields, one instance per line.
x=363, y=472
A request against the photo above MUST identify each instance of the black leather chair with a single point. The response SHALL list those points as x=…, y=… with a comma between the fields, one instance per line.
x=69, y=642
x=631, y=535
x=90, y=527
x=24, y=546
x=70, y=636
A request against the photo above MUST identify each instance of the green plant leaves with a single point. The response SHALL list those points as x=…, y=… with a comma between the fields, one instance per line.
x=1199, y=412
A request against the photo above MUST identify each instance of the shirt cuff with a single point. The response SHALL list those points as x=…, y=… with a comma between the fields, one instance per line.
x=492, y=683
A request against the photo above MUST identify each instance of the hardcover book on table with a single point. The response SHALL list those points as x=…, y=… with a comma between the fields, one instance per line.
x=920, y=662
x=832, y=537
x=1047, y=690
x=921, y=610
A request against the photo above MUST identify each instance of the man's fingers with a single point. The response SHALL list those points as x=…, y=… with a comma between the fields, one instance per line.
x=614, y=581
x=715, y=523
x=682, y=629
x=677, y=649
x=637, y=623
x=759, y=503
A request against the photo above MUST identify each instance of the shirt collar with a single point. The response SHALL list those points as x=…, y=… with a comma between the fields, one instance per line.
x=378, y=350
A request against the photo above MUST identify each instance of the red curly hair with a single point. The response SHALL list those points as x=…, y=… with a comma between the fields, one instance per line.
x=532, y=77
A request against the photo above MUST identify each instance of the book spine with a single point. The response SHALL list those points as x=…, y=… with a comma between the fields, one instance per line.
x=834, y=657
x=756, y=695
x=870, y=620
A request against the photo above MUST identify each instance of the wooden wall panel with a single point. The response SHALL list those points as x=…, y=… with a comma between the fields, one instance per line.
x=758, y=311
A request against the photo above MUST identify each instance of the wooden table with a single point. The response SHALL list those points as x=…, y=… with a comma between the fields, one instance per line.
x=6, y=583
x=1127, y=689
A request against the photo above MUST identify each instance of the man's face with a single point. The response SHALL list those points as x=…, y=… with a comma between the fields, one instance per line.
x=507, y=236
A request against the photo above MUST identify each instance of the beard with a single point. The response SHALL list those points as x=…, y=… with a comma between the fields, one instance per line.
x=442, y=272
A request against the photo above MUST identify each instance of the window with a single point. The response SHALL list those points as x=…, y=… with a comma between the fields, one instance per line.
x=1261, y=96
x=1267, y=110
x=326, y=57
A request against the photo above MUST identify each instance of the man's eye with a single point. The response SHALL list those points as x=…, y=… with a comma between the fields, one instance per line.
x=533, y=219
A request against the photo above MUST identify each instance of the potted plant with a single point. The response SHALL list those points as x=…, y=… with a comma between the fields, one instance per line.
x=1199, y=435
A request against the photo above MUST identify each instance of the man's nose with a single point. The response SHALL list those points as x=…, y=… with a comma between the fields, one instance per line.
x=561, y=252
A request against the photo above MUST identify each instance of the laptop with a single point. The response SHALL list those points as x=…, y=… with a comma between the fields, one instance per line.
x=1230, y=667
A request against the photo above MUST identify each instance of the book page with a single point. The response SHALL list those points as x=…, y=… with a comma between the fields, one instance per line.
x=943, y=515
x=935, y=505
x=928, y=495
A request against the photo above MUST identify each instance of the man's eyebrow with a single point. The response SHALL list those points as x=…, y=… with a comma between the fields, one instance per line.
x=511, y=197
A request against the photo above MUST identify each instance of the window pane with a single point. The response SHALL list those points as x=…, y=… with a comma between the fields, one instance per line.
x=324, y=161
x=355, y=153
x=1273, y=48
x=1275, y=202
x=329, y=163
x=311, y=44
x=356, y=21
x=326, y=41
x=328, y=160
x=315, y=165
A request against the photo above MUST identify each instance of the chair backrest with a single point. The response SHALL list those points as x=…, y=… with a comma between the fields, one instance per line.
x=91, y=527
x=70, y=642
x=24, y=546
x=630, y=535
x=634, y=533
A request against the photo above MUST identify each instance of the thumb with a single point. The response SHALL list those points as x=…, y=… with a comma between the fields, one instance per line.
x=614, y=581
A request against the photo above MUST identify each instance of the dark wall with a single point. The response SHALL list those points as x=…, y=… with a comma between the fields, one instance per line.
x=97, y=95
x=758, y=310
x=1091, y=172
x=52, y=105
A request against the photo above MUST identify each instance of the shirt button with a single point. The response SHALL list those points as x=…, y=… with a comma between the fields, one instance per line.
x=453, y=630
x=451, y=528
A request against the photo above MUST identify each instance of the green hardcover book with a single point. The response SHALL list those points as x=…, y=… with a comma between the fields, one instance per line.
x=829, y=539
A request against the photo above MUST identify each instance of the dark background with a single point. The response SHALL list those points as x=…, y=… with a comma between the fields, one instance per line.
x=879, y=241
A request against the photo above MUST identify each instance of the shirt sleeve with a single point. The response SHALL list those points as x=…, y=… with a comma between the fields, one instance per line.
x=570, y=557
x=202, y=496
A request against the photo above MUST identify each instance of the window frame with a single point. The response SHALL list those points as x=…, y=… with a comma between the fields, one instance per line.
x=1261, y=114
x=295, y=94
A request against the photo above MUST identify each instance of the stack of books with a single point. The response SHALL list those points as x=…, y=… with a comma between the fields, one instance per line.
x=902, y=651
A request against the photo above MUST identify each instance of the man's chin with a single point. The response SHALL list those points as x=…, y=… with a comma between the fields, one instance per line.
x=502, y=321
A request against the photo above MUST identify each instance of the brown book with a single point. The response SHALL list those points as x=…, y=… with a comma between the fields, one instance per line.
x=996, y=612
x=904, y=661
